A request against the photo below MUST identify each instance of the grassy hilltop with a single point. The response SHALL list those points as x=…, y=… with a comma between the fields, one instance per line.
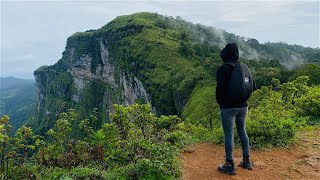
x=125, y=100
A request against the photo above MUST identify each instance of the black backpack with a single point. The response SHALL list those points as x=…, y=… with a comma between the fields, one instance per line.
x=240, y=85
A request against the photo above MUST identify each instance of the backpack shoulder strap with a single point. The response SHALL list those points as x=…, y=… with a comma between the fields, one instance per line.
x=230, y=63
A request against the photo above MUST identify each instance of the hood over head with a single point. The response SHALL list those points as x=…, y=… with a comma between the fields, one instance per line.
x=230, y=53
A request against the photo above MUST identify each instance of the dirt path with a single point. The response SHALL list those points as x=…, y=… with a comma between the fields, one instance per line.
x=301, y=161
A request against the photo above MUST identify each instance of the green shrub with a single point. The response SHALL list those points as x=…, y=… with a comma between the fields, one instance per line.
x=136, y=145
x=273, y=122
x=277, y=112
x=199, y=133
x=310, y=102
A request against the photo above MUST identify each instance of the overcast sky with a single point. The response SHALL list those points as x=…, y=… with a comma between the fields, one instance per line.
x=35, y=33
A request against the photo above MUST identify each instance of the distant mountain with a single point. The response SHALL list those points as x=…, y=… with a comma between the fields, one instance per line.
x=12, y=82
x=17, y=99
x=147, y=57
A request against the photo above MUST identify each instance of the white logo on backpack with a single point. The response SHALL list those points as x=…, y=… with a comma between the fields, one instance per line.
x=246, y=80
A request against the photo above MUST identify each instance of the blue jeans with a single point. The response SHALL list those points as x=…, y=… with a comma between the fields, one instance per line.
x=228, y=117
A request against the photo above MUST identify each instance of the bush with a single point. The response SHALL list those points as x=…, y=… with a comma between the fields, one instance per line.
x=274, y=121
x=199, y=133
x=310, y=102
x=277, y=112
x=136, y=145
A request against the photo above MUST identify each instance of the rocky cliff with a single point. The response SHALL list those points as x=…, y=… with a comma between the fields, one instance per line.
x=144, y=57
x=85, y=88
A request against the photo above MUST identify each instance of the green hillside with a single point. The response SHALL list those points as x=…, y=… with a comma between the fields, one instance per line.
x=17, y=99
x=125, y=100
x=168, y=55
x=172, y=56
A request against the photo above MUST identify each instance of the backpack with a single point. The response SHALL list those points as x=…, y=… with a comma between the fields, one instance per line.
x=240, y=84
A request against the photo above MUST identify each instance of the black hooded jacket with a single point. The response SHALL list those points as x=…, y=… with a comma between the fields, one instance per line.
x=230, y=56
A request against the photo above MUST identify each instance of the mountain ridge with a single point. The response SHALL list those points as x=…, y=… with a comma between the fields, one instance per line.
x=17, y=99
x=11, y=81
x=145, y=57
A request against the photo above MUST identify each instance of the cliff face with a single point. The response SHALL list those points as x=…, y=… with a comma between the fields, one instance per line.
x=129, y=88
x=74, y=83
x=144, y=57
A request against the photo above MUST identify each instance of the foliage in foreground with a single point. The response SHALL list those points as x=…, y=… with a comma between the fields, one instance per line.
x=136, y=145
x=139, y=145
x=276, y=112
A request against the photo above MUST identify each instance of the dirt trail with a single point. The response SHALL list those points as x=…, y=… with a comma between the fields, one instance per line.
x=301, y=161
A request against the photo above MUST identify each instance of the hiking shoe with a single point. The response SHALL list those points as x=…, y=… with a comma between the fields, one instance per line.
x=227, y=167
x=246, y=163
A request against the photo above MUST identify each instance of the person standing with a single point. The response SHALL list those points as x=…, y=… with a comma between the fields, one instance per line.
x=234, y=87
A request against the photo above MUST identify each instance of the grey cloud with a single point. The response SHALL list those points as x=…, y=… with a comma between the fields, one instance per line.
x=41, y=28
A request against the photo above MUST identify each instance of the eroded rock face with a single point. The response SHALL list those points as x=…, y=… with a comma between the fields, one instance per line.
x=79, y=83
x=39, y=93
x=132, y=88
x=120, y=88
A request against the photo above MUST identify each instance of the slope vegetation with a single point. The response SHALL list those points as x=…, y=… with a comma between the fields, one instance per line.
x=168, y=56
x=17, y=99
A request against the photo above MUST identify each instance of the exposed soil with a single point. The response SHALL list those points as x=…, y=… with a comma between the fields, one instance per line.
x=300, y=161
